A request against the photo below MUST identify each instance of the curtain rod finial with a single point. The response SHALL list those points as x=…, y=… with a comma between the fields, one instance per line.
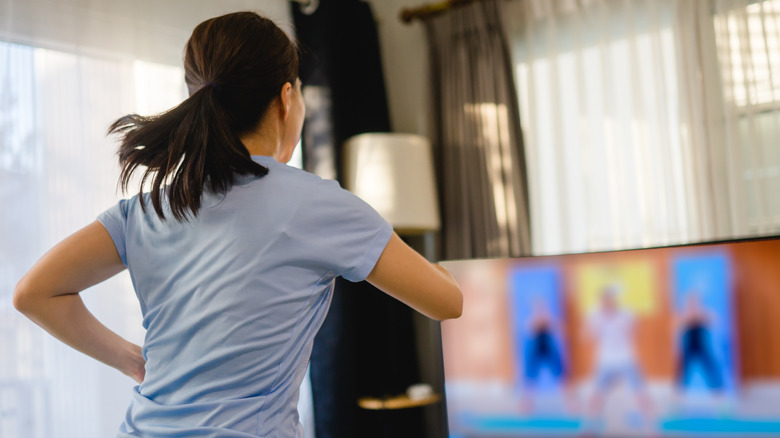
x=406, y=15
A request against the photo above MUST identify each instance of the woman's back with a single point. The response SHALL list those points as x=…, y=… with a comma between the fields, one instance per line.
x=232, y=299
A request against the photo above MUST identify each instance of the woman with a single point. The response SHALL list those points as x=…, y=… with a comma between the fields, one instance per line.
x=695, y=326
x=541, y=344
x=612, y=329
x=234, y=263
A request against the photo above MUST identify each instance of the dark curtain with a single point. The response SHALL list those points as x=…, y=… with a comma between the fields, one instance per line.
x=366, y=344
x=341, y=71
x=476, y=134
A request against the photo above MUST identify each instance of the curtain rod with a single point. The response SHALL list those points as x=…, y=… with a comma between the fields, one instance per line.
x=409, y=14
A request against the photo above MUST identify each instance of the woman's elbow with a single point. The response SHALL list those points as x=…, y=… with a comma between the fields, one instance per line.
x=453, y=309
x=22, y=297
x=457, y=308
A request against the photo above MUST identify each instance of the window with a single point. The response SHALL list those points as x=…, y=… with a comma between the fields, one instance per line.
x=58, y=171
x=748, y=44
x=598, y=92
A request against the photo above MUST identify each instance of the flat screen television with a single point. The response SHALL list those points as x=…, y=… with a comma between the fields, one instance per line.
x=673, y=341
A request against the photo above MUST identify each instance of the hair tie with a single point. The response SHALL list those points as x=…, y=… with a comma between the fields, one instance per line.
x=212, y=84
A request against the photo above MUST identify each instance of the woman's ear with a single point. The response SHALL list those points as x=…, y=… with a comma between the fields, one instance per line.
x=285, y=99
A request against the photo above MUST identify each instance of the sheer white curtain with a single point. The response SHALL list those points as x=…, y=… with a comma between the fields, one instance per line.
x=631, y=137
x=58, y=172
x=67, y=70
x=748, y=51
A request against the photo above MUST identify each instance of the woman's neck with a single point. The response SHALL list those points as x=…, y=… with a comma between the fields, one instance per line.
x=258, y=144
x=266, y=138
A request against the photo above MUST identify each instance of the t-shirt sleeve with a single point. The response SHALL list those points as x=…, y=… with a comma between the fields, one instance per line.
x=114, y=220
x=342, y=231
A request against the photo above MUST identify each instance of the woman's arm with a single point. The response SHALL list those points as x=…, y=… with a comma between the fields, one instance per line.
x=49, y=295
x=405, y=275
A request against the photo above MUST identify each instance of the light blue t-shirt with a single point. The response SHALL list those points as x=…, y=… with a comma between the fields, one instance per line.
x=231, y=300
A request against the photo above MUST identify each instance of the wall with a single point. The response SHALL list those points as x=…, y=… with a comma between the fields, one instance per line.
x=149, y=30
x=405, y=65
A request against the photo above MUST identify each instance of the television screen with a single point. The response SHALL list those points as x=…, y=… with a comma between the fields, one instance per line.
x=677, y=341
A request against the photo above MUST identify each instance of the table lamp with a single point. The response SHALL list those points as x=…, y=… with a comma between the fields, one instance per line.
x=394, y=174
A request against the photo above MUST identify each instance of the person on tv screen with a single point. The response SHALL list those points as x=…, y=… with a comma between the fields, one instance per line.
x=695, y=327
x=542, y=353
x=542, y=350
x=612, y=330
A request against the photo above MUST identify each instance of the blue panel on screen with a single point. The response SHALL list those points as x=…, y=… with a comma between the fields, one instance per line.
x=537, y=321
x=704, y=329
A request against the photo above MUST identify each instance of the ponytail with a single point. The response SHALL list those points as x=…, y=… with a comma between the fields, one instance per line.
x=190, y=147
x=235, y=65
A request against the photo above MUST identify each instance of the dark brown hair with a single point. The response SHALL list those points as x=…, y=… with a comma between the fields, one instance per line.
x=235, y=65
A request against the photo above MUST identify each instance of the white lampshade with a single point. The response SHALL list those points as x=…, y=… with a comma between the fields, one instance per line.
x=394, y=174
